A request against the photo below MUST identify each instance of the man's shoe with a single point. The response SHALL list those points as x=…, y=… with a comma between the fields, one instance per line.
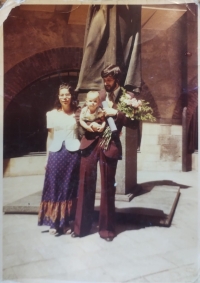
x=74, y=235
x=108, y=239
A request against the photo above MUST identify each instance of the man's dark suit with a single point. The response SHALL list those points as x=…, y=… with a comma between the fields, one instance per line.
x=91, y=154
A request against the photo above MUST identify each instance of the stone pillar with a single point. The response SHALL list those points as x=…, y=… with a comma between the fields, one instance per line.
x=184, y=139
x=126, y=175
x=186, y=157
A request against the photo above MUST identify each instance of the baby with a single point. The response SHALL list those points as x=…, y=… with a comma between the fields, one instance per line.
x=92, y=117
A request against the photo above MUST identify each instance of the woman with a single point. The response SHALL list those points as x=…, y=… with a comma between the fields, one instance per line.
x=59, y=197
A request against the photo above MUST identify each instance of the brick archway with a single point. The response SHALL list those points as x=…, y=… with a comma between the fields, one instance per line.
x=37, y=66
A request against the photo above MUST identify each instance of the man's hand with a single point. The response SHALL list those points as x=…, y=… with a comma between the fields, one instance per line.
x=109, y=111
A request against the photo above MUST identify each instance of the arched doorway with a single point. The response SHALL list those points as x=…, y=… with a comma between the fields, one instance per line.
x=25, y=116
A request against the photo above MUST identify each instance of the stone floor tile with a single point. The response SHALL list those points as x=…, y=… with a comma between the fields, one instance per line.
x=46, y=239
x=157, y=246
x=73, y=249
x=93, y=275
x=14, y=248
x=30, y=255
x=183, y=274
x=11, y=261
x=9, y=274
x=113, y=256
x=22, y=239
x=94, y=260
x=72, y=263
x=51, y=251
x=182, y=257
x=89, y=245
x=186, y=242
x=121, y=272
x=101, y=243
x=143, y=249
x=126, y=239
x=50, y=267
x=138, y=268
x=138, y=280
x=29, y=270
x=47, y=252
x=57, y=278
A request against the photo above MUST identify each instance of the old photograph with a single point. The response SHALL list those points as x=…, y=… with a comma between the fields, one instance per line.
x=100, y=142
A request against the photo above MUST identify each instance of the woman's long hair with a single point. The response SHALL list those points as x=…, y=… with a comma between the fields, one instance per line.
x=74, y=101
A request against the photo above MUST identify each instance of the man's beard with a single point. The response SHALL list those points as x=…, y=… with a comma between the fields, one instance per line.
x=112, y=88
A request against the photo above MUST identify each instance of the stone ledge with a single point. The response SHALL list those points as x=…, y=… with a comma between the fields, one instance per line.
x=156, y=206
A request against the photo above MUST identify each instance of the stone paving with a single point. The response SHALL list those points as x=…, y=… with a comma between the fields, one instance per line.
x=139, y=253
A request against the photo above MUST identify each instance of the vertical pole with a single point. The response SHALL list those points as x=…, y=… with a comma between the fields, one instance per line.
x=1, y=147
x=184, y=139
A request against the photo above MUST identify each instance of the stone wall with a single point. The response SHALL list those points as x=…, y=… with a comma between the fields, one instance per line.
x=27, y=33
x=24, y=166
x=160, y=148
x=169, y=66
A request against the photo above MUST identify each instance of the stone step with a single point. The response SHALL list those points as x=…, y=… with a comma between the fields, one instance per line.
x=156, y=206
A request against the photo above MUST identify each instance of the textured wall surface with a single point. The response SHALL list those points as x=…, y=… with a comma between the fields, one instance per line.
x=169, y=65
x=40, y=65
x=37, y=43
x=29, y=32
x=168, y=71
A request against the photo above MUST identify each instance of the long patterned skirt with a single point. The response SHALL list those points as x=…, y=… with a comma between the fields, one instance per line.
x=59, y=197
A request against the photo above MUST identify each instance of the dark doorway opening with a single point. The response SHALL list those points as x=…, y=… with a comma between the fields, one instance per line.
x=25, y=117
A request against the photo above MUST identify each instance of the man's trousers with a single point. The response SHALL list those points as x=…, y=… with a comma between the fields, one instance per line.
x=87, y=189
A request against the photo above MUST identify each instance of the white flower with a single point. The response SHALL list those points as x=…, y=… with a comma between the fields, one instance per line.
x=127, y=96
x=134, y=102
x=127, y=101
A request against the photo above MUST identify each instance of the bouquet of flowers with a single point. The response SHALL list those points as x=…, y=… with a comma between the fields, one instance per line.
x=135, y=109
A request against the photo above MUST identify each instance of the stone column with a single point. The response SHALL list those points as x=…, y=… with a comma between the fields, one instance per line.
x=186, y=157
x=126, y=176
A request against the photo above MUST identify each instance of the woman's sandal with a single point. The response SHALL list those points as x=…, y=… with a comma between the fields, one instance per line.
x=67, y=231
x=52, y=231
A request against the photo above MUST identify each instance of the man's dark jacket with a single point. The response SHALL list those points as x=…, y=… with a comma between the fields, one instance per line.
x=114, y=149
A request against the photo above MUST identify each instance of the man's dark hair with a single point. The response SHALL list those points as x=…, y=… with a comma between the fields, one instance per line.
x=113, y=71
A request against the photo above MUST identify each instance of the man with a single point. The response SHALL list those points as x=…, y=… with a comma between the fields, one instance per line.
x=92, y=152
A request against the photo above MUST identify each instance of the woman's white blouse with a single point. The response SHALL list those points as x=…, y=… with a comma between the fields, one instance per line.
x=65, y=129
